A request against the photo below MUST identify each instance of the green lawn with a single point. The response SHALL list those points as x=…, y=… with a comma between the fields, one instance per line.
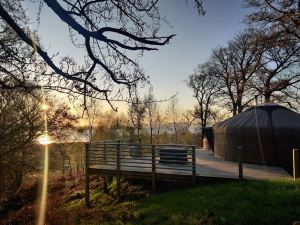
x=232, y=202
x=244, y=203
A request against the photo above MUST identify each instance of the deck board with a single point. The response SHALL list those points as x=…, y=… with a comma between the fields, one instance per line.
x=206, y=166
x=210, y=166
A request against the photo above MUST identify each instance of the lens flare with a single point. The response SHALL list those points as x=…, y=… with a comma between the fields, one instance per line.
x=44, y=139
x=43, y=204
x=45, y=107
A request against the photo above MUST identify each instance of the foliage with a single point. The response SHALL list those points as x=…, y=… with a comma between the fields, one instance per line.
x=61, y=123
x=230, y=202
x=22, y=122
x=66, y=203
x=111, y=126
x=20, y=119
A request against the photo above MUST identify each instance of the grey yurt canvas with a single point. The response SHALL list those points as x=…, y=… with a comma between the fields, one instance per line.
x=267, y=134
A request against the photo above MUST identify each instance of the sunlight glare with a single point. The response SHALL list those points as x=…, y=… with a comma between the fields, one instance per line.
x=44, y=139
x=45, y=107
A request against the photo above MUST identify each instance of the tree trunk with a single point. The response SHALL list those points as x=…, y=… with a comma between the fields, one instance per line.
x=62, y=155
x=176, y=137
x=158, y=136
x=151, y=135
x=267, y=97
x=18, y=180
x=239, y=108
x=234, y=109
x=267, y=91
x=138, y=133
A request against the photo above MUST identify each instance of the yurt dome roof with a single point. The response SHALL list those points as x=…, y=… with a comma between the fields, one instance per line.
x=263, y=116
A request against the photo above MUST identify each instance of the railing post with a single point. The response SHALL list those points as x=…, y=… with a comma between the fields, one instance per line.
x=87, y=176
x=81, y=159
x=194, y=164
x=295, y=163
x=153, y=168
x=140, y=151
x=240, y=162
x=104, y=151
x=105, y=180
x=118, y=170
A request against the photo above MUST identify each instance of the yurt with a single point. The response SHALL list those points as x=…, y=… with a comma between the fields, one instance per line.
x=267, y=133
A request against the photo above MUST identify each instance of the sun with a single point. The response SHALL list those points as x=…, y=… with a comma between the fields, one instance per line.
x=44, y=139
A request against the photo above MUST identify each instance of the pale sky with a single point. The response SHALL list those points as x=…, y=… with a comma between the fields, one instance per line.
x=171, y=65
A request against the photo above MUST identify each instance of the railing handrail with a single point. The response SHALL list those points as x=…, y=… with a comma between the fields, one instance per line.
x=178, y=159
x=113, y=141
x=148, y=145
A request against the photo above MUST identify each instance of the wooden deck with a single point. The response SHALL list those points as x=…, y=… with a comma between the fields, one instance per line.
x=175, y=163
x=209, y=166
x=206, y=166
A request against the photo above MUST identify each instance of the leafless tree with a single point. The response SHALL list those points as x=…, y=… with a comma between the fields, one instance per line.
x=113, y=33
x=17, y=64
x=235, y=66
x=275, y=16
x=159, y=122
x=279, y=20
x=205, y=86
x=188, y=117
x=279, y=68
x=151, y=107
x=137, y=113
x=173, y=115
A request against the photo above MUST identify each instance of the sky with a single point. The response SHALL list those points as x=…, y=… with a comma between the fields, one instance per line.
x=169, y=67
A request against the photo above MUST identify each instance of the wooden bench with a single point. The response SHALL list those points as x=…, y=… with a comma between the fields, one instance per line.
x=173, y=155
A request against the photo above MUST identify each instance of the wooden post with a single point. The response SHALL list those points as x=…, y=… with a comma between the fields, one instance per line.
x=153, y=168
x=194, y=164
x=87, y=176
x=104, y=151
x=105, y=180
x=295, y=163
x=118, y=170
x=240, y=161
x=81, y=160
x=140, y=147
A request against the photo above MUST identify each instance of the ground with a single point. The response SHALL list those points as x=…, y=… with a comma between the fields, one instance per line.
x=232, y=202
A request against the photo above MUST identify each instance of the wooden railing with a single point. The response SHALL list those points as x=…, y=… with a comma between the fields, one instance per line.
x=153, y=160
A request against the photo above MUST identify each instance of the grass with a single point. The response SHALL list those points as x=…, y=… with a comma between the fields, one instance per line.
x=243, y=203
x=226, y=203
